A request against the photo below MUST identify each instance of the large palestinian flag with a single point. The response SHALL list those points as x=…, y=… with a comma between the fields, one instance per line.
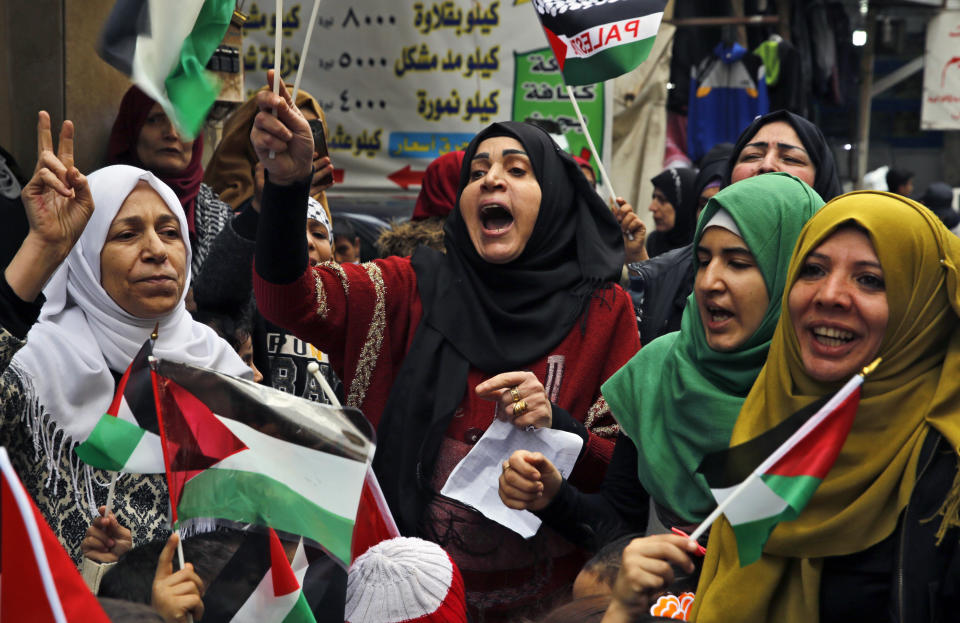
x=164, y=47
x=595, y=41
x=127, y=437
x=242, y=452
x=772, y=477
x=38, y=580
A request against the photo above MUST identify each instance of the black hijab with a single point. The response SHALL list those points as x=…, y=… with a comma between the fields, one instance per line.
x=494, y=317
x=827, y=181
x=712, y=166
x=679, y=185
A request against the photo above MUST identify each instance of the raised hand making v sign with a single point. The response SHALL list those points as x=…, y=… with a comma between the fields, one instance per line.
x=58, y=205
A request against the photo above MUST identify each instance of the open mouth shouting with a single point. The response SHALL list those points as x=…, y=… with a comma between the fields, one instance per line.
x=496, y=219
x=716, y=316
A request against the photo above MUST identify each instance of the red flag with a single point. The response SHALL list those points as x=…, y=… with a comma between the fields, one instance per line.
x=38, y=580
x=374, y=521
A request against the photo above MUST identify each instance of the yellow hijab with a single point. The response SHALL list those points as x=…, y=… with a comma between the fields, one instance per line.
x=230, y=170
x=916, y=387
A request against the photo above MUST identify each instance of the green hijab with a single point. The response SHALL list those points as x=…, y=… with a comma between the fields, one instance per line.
x=678, y=399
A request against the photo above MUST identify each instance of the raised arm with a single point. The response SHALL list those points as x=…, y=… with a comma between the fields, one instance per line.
x=58, y=203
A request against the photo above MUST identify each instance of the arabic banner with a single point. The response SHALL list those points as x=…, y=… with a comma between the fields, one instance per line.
x=402, y=83
x=941, y=74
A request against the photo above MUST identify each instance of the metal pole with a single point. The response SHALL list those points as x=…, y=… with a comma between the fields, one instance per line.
x=866, y=88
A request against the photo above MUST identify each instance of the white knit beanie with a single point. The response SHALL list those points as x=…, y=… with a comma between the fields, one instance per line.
x=405, y=579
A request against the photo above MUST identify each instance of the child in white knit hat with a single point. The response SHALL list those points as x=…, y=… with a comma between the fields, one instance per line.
x=405, y=580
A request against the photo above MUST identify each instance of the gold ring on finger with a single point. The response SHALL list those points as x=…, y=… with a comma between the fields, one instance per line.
x=519, y=408
x=515, y=393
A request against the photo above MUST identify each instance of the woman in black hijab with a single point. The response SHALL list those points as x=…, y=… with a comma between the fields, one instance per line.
x=517, y=321
x=674, y=209
x=783, y=141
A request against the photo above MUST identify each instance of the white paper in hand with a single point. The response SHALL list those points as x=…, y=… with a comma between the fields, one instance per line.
x=474, y=481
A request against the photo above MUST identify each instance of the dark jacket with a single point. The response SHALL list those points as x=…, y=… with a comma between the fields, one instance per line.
x=659, y=288
x=924, y=585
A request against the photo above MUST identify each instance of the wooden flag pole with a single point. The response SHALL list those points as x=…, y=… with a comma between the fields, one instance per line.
x=593, y=148
x=277, y=41
x=306, y=47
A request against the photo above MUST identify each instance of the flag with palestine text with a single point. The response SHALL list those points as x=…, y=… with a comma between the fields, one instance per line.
x=164, y=47
x=241, y=452
x=595, y=40
x=781, y=468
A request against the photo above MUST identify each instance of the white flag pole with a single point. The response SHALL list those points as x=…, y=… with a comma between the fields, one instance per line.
x=593, y=148
x=314, y=368
x=110, y=494
x=814, y=421
x=306, y=47
x=180, y=557
x=277, y=41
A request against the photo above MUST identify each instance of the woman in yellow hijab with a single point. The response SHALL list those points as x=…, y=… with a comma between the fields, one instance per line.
x=873, y=274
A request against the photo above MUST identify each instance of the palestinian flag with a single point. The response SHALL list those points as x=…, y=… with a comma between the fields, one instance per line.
x=38, y=580
x=772, y=477
x=249, y=588
x=595, y=41
x=374, y=521
x=127, y=437
x=241, y=452
x=278, y=598
x=164, y=47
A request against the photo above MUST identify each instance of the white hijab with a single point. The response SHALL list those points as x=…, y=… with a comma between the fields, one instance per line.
x=83, y=334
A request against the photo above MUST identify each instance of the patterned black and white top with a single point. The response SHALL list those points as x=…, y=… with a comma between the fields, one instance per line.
x=67, y=491
x=210, y=216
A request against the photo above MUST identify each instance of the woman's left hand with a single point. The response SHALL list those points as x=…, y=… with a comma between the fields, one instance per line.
x=521, y=398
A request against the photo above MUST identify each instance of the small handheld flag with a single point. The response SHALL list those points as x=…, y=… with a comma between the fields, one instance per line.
x=596, y=41
x=770, y=478
x=127, y=436
x=38, y=580
x=165, y=48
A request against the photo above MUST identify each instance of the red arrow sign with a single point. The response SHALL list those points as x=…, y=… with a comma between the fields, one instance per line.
x=943, y=74
x=406, y=177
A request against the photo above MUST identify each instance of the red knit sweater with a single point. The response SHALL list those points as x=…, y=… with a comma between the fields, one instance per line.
x=365, y=316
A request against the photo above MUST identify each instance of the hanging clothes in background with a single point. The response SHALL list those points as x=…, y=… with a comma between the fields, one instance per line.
x=781, y=63
x=844, y=85
x=824, y=47
x=690, y=45
x=727, y=90
x=640, y=125
x=675, y=149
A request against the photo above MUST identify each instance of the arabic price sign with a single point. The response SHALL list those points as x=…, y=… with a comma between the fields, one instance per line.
x=941, y=73
x=403, y=83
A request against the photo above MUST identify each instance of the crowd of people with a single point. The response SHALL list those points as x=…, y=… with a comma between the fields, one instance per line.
x=515, y=292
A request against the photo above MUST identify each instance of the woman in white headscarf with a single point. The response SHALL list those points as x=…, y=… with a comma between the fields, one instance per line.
x=111, y=280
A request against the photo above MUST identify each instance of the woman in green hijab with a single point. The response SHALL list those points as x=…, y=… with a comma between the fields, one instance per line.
x=678, y=398
x=874, y=274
